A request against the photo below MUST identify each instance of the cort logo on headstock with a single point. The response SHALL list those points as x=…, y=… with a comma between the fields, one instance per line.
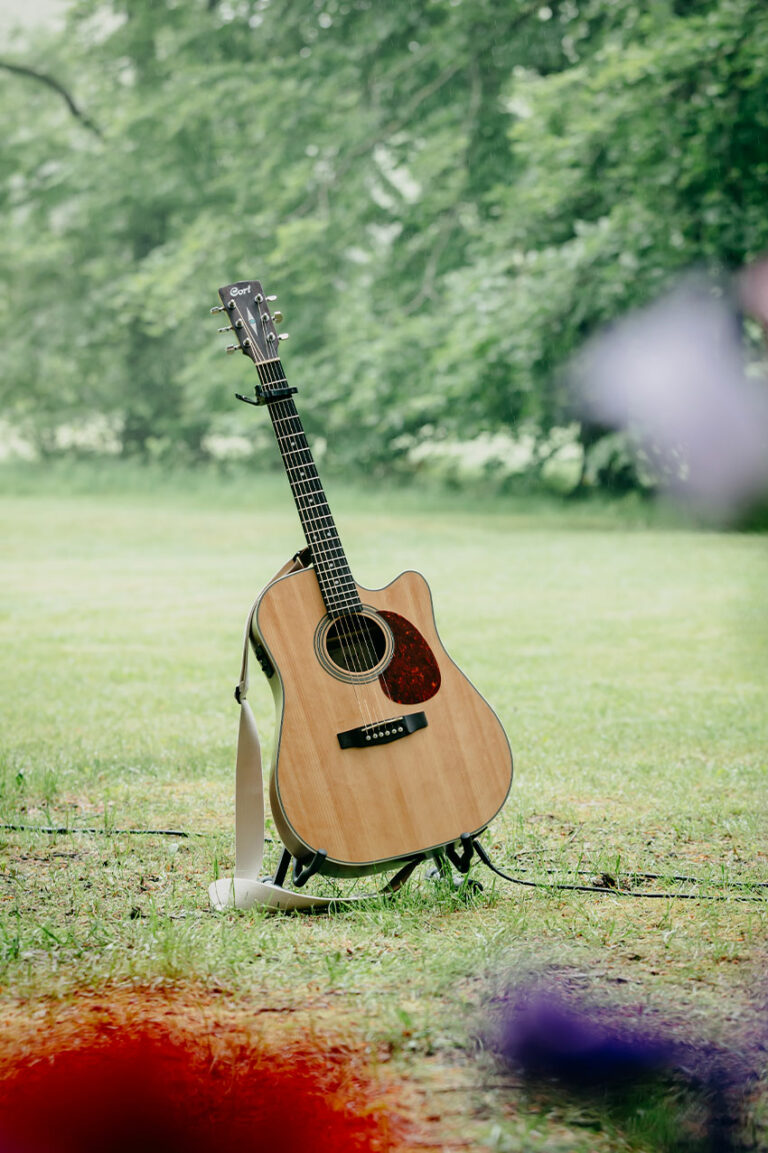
x=235, y=291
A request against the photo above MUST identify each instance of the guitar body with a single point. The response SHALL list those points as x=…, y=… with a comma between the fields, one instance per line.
x=422, y=757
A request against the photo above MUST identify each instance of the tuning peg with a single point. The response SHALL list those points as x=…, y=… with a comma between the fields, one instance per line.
x=233, y=348
x=227, y=328
x=218, y=308
x=277, y=316
x=283, y=335
x=270, y=298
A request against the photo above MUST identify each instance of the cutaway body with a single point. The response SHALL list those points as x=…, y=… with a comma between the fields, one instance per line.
x=425, y=760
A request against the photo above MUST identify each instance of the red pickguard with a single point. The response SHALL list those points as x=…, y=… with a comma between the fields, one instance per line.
x=412, y=676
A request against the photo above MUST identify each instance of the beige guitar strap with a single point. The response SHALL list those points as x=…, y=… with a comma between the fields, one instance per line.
x=246, y=888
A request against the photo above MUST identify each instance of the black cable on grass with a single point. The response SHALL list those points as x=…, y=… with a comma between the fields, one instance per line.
x=663, y=877
x=66, y=829
x=61, y=829
x=614, y=890
x=698, y=880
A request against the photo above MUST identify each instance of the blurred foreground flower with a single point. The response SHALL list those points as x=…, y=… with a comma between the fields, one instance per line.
x=685, y=1097
x=674, y=376
x=134, y=1088
x=544, y=1038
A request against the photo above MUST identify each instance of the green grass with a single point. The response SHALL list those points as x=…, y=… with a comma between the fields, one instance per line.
x=625, y=654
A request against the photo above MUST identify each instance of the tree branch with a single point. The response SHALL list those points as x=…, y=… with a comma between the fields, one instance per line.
x=411, y=108
x=44, y=78
x=426, y=291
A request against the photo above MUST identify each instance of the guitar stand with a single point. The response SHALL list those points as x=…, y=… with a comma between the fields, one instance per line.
x=448, y=856
x=443, y=858
x=302, y=873
x=281, y=871
x=303, y=870
x=461, y=862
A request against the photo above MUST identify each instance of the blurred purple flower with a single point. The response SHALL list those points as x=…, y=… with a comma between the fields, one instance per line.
x=674, y=376
x=596, y=1054
x=544, y=1040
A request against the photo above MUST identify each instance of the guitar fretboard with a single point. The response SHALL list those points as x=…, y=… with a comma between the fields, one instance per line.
x=336, y=582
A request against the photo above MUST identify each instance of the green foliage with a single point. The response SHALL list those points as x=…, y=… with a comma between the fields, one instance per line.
x=448, y=197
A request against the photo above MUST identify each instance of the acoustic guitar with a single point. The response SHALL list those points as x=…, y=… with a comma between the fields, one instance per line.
x=384, y=750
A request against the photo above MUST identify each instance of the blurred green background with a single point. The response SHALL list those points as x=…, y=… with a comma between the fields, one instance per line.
x=448, y=196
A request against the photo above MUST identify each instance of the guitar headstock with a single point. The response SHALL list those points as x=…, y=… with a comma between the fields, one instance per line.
x=248, y=308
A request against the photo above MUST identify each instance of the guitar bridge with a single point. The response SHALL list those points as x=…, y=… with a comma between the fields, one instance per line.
x=382, y=732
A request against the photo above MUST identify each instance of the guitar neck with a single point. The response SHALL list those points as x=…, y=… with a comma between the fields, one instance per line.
x=337, y=584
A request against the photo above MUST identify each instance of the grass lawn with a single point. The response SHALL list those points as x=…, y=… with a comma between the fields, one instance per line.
x=626, y=659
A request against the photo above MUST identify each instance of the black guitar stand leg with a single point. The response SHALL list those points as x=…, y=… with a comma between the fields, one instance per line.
x=302, y=872
x=449, y=856
x=442, y=871
x=461, y=861
x=281, y=872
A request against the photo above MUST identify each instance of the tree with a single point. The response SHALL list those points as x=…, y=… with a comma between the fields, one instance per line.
x=447, y=196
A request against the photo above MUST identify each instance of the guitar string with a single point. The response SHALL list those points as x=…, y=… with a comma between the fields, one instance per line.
x=268, y=367
x=362, y=632
x=356, y=622
x=281, y=412
x=350, y=623
x=285, y=414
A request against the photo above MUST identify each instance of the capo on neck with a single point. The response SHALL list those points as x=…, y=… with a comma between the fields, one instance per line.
x=264, y=396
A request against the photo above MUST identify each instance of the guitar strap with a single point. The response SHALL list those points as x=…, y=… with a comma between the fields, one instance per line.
x=246, y=888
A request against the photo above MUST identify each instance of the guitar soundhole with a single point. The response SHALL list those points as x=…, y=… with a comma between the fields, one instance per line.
x=354, y=647
x=356, y=644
